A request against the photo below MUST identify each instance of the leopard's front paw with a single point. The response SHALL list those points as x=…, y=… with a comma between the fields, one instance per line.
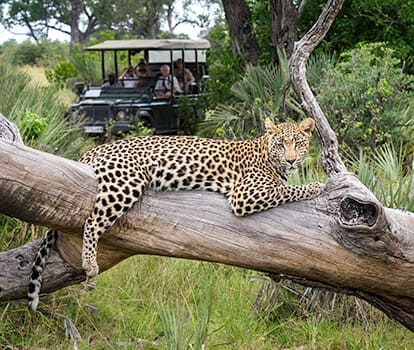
x=315, y=189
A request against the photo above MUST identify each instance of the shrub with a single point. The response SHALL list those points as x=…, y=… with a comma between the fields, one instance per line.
x=43, y=53
x=61, y=72
x=367, y=98
x=225, y=68
x=32, y=125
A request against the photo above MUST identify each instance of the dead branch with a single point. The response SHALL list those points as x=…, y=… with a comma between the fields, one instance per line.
x=330, y=159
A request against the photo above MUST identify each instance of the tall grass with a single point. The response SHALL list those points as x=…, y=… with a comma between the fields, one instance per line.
x=19, y=96
x=161, y=303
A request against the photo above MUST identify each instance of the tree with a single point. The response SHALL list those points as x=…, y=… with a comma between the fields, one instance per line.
x=241, y=31
x=80, y=19
x=41, y=17
x=245, y=18
x=345, y=240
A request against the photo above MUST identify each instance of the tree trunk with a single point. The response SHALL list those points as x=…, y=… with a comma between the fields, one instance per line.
x=75, y=33
x=284, y=26
x=243, y=38
x=344, y=240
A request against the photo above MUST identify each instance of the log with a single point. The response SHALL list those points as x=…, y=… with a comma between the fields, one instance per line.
x=345, y=240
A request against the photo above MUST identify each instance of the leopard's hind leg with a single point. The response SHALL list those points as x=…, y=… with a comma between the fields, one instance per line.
x=115, y=197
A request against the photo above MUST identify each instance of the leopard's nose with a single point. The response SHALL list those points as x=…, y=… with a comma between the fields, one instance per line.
x=290, y=161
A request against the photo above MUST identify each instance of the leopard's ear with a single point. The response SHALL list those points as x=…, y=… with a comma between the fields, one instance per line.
x=307, y=127
x=269, y=126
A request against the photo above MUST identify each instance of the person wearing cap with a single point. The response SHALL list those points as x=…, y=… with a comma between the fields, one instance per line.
x=111, y=82
x=144, y=73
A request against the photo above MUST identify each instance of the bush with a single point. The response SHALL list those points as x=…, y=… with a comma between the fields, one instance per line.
x=61, y=72
x=225, y=68
x=32, y=125
x=367, y=98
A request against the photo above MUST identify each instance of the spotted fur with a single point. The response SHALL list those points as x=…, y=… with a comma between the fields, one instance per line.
x=251, y=173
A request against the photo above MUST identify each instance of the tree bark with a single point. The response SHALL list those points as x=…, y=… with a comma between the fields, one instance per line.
x=243, y=38
x=76, y=9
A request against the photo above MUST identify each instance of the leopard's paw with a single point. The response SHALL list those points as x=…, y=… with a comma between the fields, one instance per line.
x=315, y=189
x=89, y=285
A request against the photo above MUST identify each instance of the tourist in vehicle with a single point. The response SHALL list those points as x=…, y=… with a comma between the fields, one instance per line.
x=166, y=83
x=184, y=75
x=129, y=77
x=144, y=73
x=111, y=82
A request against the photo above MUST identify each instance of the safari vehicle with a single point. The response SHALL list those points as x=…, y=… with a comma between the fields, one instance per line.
x=120, y=108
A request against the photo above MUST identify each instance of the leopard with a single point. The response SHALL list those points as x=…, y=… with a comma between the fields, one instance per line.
x=251, y=173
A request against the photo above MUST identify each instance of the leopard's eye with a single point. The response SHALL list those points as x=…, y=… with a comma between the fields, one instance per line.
x=278, y=142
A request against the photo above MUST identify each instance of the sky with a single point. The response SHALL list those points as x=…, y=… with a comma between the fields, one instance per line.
x=19, y=35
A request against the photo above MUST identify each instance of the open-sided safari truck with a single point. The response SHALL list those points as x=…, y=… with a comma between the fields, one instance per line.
x=121, y=108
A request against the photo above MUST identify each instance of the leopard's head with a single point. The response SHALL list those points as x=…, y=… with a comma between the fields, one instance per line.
x=288, y=144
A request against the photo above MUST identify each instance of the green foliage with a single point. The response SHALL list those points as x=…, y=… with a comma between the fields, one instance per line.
x=191, y=113
x=367, y=98
x=61, y=72
x=151, y=302
x=32, y=125
x=87, y=65
x=262, y=92
x=367, y=21
x=384, y=172
x=41, y=53
x=261, y=17
x=27, y=53
x=39, y=114
x=225, y=68
x=185, y=326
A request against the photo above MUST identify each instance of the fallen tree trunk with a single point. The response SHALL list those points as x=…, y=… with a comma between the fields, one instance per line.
x=344, y=240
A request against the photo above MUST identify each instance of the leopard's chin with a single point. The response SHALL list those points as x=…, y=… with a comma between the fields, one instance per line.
x=291, y=170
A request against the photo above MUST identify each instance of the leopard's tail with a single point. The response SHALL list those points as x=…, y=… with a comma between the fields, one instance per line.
x=38, y=266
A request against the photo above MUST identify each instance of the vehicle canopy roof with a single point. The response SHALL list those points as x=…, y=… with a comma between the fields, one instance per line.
x=156, y=51
x=151, y=44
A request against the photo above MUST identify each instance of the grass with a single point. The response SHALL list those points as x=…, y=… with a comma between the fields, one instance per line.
x=151, y=302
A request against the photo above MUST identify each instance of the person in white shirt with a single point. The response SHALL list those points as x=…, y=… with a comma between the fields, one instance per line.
x=129, y=77
x=166, y=83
